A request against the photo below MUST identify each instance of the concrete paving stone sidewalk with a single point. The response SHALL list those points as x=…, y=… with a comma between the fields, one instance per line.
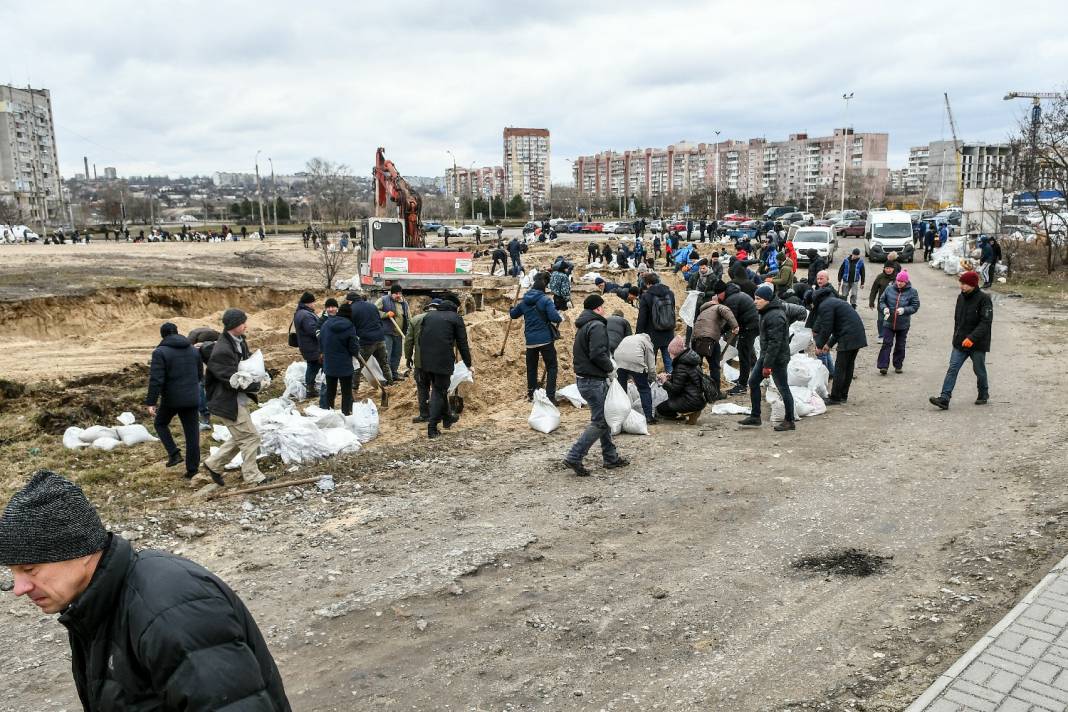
x=1020, y=665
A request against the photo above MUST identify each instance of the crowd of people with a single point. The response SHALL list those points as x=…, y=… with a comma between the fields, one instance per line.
x=155, y=234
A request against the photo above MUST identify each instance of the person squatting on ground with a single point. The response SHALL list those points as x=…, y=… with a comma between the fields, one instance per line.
x=339, y=345
x=851, y=277
x=896, y=306
x=972, y=320
x=593, y=366
x=775, y=318
x=174, y=381
x=539, y=319
x=443, y=331
x=230, y=405
x=686, y=394
x=306, y=326
x=656, y=315
x=368, y=322
x=393, y=310
x=148, y=630
x=413, y=357
x=635, y=360
x=835, y=323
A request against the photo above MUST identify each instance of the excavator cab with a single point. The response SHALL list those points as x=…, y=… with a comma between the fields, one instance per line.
x=384, y=260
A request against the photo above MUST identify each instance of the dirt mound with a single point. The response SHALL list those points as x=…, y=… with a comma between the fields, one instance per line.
x=844, y=562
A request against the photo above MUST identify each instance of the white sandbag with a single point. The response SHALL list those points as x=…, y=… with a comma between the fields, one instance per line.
x=659, y=394
x=71, y=439
x=372, y=366
x=800, y=338
x=730, y=373
x=106, y=443
x=525, y=282
x=294, y=380
x=460, y=374
x=689, y=307
x=634, y=395
x=364, y=420
x=808, y=372
x=590, y=276
x=818, y=406
x=616, y=405
x=729, y=353
x=778, y=411
x=797, y=374
x=544, y=416
x=134, y=434
x=342, y=440
x=127, y=418
x=635, y=424
x=325, y=418
x=727, y=408
x=295, y=439
x=94, y=432
x=249, y=371
x=272, y=411
x=572, y=394
x=220, y=433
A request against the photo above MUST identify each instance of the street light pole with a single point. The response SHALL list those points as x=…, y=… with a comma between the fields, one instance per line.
x=716, y=216
x=274, y=191
x=455, y=189
x=259, y=193
x=845, y=143
x=471, y=186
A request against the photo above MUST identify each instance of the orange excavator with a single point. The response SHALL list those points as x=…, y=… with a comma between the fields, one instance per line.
x=389, y=183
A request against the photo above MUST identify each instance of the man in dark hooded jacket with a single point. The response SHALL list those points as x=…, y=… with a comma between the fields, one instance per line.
x=774, y=356
x=837, y=324
x=442, y=332
x=148, y=630
x=656, y=293
x=973, y=317
x=816, y=264
x=306, y=326
x=745, y=313
x=174, y=381
x=592, y=362
x=368, y=322
x=538, y=312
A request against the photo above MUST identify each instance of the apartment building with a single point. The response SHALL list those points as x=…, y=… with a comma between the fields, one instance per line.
x=29, y=162
x=916, y=170
x=979, y=165
x=798, y=167
x=487, y=181
x=526, y=164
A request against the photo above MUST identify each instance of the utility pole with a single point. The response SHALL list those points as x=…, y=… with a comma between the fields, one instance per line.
x=274, y=191
x=259, y=193
x=455, y=189
x=845, y=144
x=716, y=216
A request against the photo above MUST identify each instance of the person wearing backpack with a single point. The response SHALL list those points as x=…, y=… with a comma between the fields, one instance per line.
x=656, y=316
x=539, y=315
x=684, y=385
x=306, y=326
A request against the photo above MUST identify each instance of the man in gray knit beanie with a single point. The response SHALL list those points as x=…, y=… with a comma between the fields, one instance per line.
x=198, y=647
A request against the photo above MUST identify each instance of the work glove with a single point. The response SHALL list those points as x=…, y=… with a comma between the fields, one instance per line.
x=766, y=372
x=886, y=312
x=391, y=314
x=967, y=343
x=900, y=311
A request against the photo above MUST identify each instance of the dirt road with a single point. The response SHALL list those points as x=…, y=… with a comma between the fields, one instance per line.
x=477, y=575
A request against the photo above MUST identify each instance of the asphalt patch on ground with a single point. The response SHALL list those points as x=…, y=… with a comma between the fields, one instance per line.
x=844, y=562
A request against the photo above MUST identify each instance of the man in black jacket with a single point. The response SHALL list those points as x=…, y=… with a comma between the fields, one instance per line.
x=515, y=251
x=774, y=357
x=148, y=630
x=306, y=326
x=836, y=323
x=230, y=405
x=174, y=381
x=443, y=330
x=972, y=319
x=593, y=364
x=655, y=295
x=745, y=313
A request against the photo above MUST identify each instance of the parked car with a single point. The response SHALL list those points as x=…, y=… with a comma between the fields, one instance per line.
x=575, y=227
x=824, y=223
x=950, y=217
x=790, y=218
x=678, y=226
x=610, y=227
x=655, y=226
x=432, y=226
x=624, y=228
x=750, y=224
x=850, y=228
x=775, y=212
x=821, y=239
x=462, y=231
x=17, y=233
x=737, y=217
x=593, y=227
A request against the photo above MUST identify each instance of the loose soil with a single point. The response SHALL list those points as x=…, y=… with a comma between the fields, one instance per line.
x=473, y=573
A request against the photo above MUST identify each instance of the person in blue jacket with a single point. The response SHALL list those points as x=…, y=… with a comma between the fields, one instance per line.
x=538, y=312
x=898, y=303
x=339, y=345
x=372, y=336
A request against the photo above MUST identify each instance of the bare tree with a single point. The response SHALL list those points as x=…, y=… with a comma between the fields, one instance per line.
x=331, y=188
x=330, y=260
x=9, y=212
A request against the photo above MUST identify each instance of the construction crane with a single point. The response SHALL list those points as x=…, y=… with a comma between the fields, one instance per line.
x=958, y=149
x=1036, y=98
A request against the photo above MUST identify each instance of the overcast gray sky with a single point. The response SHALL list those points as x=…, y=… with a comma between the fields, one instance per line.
x=190, y=87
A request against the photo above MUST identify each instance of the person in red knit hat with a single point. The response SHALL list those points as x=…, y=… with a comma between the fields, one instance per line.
x=972, y=319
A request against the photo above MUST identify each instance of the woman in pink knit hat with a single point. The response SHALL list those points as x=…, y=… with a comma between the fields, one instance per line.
x=897, y=305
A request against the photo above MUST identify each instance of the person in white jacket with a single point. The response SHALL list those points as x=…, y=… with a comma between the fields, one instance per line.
x=635, y=360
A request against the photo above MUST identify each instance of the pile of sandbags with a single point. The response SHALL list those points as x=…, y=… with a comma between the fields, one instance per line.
x=101, y=437
x=948, y=257
x=807, y=378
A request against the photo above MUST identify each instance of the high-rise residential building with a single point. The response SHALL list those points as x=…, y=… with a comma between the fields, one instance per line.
x=487, y=181
x=916, y=171
x=797, y=168
x=526, y=165
x=110, y=173
x=979, y=165
x=29, y=163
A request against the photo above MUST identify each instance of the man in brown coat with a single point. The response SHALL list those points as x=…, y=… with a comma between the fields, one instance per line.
x=713, y=321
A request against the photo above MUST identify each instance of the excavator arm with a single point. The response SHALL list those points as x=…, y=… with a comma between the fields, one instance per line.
x=390, y=184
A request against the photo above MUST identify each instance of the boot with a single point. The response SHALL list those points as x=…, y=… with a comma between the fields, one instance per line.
x=578, y=468
x=939, y=401
x=620, y=462
x=882, y=371
x=432, y=431
x=175, y=458
x=752, y=422
x=420, y=419
x=784, y=426
x=981, y=400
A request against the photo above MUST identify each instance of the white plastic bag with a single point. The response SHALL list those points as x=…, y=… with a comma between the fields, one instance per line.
x=294, y=380
x=249, y=371
x=460, y=374
x=220, y=433
x=325, y=418
x=134, y=434
x=544, y=416
x=635, y=424
x=342, y=440
x=127, y=418
x=273, y=410
x=659, y=394
x=364, y=420
x=372, y=366
x=71, y=439
x=730, y=373
x=616, y=406
x=800, y=338
x=106, y=443
x=728, y=408
x=689, y=307
x=95, y=432
x=572, y=394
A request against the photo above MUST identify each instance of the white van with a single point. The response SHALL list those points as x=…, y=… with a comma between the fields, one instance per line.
x=818, y=238
x=887, y=231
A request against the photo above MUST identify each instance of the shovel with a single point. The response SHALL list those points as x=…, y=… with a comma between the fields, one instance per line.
x=371, y=376
x=402, y=335
x=508, y=329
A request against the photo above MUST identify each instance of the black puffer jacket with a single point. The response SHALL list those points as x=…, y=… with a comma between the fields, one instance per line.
x=743, y=307
x=590, y=356
x=175, y=373
x=618, y=329
x=836, y=323
x=774, y=334
x=225, y=356
x=442, y=330
x=306, y=324
x=815, y=265
x=157, y=632
x=972, y=319
x=660, y=337
x=684, y=388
